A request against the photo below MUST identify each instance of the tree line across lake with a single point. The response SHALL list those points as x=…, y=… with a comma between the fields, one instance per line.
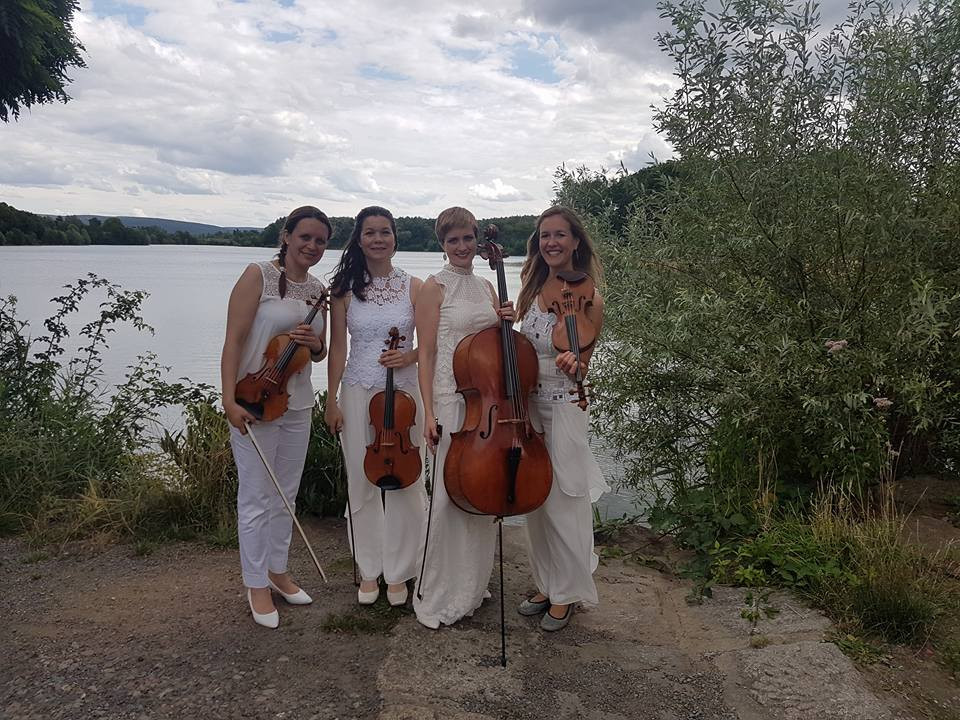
x=18, y=227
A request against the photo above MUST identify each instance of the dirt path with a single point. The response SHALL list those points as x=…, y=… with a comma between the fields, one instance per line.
x=108, y=634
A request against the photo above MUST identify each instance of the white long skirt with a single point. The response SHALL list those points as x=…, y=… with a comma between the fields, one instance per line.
x=387, y=530
x=560, y=532
x=461, y=546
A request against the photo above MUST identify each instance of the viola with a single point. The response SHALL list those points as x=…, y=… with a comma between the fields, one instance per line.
x=264, y=393
x=567, y=295
x=392, y=462
x=497, y=463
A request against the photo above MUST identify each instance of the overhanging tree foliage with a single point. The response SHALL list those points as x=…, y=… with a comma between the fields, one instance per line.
x=37, y=48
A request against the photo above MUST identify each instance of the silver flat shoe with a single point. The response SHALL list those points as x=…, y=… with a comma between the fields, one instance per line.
x=533, y=607
x=551, y=624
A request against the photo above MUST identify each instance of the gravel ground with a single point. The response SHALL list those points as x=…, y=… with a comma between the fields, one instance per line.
x=104, y=633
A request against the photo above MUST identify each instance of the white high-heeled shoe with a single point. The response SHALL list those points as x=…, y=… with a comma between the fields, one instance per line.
x=396, y=599
x=269, y=620
x=300, y=597
x=368, y=597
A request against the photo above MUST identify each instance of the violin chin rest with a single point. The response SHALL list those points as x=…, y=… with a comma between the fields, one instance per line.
x=255, y=409
x=389, y=482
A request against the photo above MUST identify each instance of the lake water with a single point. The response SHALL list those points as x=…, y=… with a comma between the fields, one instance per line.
x=188, y=288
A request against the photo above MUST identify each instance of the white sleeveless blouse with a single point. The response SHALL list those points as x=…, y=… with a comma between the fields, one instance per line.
x=467, y=308
x=553, y=384
x=277, y=315
x=368, y=322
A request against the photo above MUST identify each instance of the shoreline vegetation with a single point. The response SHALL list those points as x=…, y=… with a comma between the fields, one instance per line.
x=784, y=330
x=18, y=227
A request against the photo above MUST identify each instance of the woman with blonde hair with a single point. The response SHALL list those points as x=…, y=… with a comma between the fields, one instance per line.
x=560, y=532
x=453, y=303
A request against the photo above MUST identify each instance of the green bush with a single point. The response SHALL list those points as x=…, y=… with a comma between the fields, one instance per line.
x=78, y=457
x=788, y=296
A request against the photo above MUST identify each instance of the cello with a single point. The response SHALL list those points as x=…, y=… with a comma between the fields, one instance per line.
x=392, y=462
x=264, y=393
x=497, y=463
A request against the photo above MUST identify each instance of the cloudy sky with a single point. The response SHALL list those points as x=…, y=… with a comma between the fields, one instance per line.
x=234, y=112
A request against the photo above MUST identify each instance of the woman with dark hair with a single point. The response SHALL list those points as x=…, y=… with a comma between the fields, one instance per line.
x=270, y=298
x=368, y=297
x=560, y=532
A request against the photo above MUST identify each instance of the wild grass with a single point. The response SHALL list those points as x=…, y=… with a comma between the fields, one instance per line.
x=378, y=619
x=79, y=456
x=851, y=557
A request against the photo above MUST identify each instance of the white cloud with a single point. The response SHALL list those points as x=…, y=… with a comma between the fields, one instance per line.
x=498, y=192
x=233, y=112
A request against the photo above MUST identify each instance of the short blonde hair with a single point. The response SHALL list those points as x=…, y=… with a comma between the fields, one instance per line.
x=454, y=217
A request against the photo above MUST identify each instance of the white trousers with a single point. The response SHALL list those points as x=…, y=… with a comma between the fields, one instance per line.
x=387, y=529
x=263, y=524
x=560, y=532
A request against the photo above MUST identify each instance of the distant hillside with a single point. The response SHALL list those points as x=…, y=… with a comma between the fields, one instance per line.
x=170, y=226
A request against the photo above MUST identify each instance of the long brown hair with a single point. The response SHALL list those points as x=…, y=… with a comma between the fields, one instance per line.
x=351, y=274
x=535, y=270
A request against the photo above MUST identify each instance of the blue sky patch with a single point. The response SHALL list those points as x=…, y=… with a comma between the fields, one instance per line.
x=467, y=54
x=377, y=72
x=134, y=14
x=533, y=64
x=277, y=36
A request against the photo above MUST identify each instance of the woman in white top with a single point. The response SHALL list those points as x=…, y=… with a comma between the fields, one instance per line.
x=560, y=532
x=454, y=303
x=370, y=296
x=271, y=298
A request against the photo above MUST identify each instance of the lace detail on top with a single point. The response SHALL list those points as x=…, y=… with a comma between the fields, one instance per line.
x=467, y=308
x=552, y=383
x=368, y=322
x=308, y=290
x=389, y=289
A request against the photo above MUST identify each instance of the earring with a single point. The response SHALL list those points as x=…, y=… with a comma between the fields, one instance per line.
x=444, y=257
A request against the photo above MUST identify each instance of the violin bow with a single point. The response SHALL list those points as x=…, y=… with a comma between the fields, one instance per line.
x=353, y=543
x=431, y=490
x=286, y=504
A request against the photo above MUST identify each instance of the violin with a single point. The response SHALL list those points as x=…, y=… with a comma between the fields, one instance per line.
x=264, y=393
x=567, y=295
x=497, y=463
x=392, y=462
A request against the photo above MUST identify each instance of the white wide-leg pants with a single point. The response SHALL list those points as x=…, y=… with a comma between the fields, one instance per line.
x=387, y=531
x=263, y=524
x=560, y=532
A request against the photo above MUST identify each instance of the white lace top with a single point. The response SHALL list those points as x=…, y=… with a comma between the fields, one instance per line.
x=552, y=383
x=277, y=315
x=467, y=308
x=368, y=322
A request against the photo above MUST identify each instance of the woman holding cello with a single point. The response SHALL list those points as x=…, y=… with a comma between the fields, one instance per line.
x=272, y=298
x=454, y=303
x=369, y=296
x=560, y=532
